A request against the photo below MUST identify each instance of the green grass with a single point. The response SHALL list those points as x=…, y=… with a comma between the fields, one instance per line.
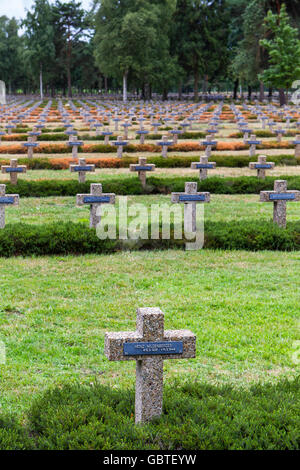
x=54, y=313
x=221, y=208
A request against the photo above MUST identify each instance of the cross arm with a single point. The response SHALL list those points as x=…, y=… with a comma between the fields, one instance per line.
x=78, y=167
x=188, y=339
x=183, y=197
x=261, y=166
x=105, y=198
x=10, y=169
x=114, y=342
x=271, y=196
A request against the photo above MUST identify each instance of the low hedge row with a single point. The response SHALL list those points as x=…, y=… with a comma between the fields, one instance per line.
x=184, y=161
x=96, y=417
x=155, y=185
x=76, y=238
x=58, y=148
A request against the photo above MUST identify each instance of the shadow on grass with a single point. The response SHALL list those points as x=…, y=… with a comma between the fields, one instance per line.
x=195, y=416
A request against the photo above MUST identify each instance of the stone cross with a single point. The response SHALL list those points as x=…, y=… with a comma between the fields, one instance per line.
x=142, y=167
x=6, y=200
x=253, y=142
x=297, y=145
x=149, y=346
x=106, y=135
x=13, y=170
x=280, y=196
x=95, y=199
x=203, y=167
x=279, y=132
x=164, y=144
x=82, y=168
x=190, y=198
x=30, y=146
x=208, y=144
x=261, y=166
x=119, y=143
x=75, y=144
x=142, y=134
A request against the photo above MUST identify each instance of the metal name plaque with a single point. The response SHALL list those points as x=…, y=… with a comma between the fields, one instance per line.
x=262, y=166
x=7, y=200
x=96, y=199
x=192, y=197
x=14, y=170
x=204, y=166
x=282, y=197
x=83, y=168
x=153, y=348
x=143, y=168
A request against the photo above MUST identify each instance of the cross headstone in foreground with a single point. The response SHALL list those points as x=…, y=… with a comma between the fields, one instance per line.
x=261, y=166
x=142, y=167
x=6, y=200
x=30, y=146
x=13, y=169
x=280, y=196
x=190, y=198
x=203, y=166
x=149, y=346
x=95, y=199
x=82, y=168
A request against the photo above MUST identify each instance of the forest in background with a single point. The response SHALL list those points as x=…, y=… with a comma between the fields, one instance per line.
x=159, y=46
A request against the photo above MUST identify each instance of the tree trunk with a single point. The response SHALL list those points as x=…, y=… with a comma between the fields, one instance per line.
x=261, y=92
x=125, y=74
x=69, y=53
x=180, y=91
x=270, y=94
x=249, y=92
x=196, y=86
x=281, y=97
x=41, y=84
x=235, y=89
x=165, y=94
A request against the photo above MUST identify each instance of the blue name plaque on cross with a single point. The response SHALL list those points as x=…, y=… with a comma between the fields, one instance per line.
x=143, y=168
x=14, y=170
x=204, y=166
x=83, y=168
x=191, y=197
x=153, y=348
x=282, y=197
x=263, y=166
x=96, y=199
x=6, y=200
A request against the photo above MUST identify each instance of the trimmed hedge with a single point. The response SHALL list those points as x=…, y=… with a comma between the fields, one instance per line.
x=76, y=238
x=73, y=417
x=155, y=185
x=228, y=161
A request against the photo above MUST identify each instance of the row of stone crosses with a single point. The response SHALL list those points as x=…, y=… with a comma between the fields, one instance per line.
x=121, y=142
x=190, y=197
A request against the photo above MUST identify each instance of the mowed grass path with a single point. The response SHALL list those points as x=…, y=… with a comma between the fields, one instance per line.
x=243, y=307
x=221, y=207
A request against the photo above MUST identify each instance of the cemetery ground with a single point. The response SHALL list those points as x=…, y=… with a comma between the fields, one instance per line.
x=58, y=390
x=56, y=310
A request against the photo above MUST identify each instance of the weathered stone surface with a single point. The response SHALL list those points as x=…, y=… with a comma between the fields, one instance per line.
x=149, y=368
x=280, y=196
x=95, y=207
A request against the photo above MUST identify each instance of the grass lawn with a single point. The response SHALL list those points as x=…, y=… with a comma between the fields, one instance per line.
x=221, y=207
x=54, y=312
